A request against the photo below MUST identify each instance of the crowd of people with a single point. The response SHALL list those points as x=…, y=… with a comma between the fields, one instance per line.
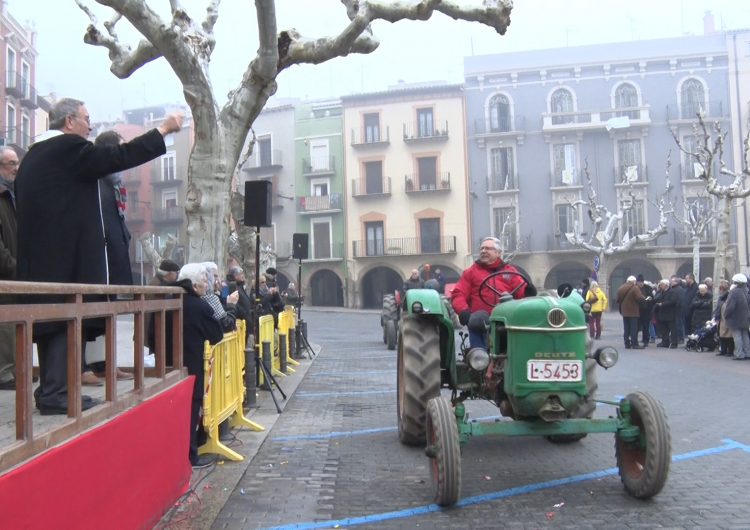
x=678, y=311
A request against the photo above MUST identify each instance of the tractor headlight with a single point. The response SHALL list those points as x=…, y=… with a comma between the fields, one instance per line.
x=606, y=356
x=478, y=359
x=416, y=307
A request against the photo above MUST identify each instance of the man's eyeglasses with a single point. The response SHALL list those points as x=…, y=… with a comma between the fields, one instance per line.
x=487, y=248
x=87, y=119
x=12, y=163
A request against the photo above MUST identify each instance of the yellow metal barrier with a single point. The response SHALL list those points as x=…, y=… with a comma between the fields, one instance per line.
x=224, y=364
x=291, y=319
x=286, y=328
x=267, y=333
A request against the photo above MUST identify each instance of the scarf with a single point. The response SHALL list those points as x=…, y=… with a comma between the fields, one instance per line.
x=121, y=193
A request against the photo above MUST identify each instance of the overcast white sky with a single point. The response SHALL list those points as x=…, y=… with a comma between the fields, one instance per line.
x=412, y=51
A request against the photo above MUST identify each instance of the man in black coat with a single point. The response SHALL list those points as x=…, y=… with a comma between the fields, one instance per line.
x=666, y=310
x=60, y=234
x=8, y=252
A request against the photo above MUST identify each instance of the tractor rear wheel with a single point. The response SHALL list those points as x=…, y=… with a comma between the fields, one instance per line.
x=418, y=376
x=644, y=463
x=444, y=450
x=585, y=407
x=389, y=312
x=390, y=334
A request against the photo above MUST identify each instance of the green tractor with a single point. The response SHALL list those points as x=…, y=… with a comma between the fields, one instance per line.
x=539, y=369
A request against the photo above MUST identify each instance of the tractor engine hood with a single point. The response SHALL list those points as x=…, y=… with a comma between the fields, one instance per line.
x=544, y=311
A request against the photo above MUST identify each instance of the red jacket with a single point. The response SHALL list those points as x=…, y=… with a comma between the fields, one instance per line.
x=466, y=292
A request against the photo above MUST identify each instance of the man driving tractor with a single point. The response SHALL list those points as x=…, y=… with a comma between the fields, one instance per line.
x=474, y=309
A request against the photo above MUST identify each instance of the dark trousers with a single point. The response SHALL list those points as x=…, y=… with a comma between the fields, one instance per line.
x=668, y=332
x=195, y=367
x=645, y=324
x=53, y=370
x=595, y=325
x=630, y=331
x=726, y=345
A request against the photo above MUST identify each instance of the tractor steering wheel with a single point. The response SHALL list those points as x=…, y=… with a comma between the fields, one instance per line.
x=486, y=285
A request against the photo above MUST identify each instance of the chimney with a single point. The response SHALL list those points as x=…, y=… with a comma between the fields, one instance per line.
x=708, y=23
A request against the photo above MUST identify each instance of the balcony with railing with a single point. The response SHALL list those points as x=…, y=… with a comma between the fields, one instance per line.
x=415, y=183
x=421, y=132
x=317, y=166
x=169, y=214
x=371, y=188
x=20, y=87
x=688, y=113
x=319, y=204
x=619, y=118
x=326, y=252
x=404, y=246
x=271, y=160
x=505, y=126
x=502, y=182
x=370, y=137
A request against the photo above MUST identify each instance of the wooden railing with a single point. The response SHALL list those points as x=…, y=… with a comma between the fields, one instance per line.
x=163, y=302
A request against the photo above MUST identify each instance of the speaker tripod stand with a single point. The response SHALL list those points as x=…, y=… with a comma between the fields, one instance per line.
x=300, y=338
x=269, y=379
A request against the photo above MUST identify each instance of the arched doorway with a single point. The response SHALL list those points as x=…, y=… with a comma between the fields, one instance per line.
x=630, y=267
x=706, y=265
x=326, y=289
x=377, y=282
x=571, y=272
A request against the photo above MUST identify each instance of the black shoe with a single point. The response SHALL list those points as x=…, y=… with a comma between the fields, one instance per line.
x=87, y=402
x=203, y=461
x=662, y=345
x=638, y=347
x=8, y=385
x=740, y=358
x=673, y=346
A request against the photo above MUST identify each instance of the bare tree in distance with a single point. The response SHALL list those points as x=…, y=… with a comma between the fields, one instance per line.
x=505, y=236
x=710, y=151
x=697, y=218
x=187, y=45
x=605, y=238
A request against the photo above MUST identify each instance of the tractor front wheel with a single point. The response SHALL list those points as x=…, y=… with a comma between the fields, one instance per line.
x=418, y=376
x=444, y=450
x=644, y=463
x=389, y=312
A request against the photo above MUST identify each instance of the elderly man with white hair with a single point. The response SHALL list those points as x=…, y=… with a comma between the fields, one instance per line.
x=629, y=296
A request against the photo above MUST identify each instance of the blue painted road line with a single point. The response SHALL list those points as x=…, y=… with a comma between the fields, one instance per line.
x=335, y=434
x=327, y=394
x=729, y=445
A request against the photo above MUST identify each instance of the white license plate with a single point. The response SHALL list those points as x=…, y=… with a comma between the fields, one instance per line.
x=569, y=371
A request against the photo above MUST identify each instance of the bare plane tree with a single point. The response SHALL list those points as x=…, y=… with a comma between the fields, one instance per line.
x=708, y=153
x=606, y=239
x=697, y=217
x=187, y=45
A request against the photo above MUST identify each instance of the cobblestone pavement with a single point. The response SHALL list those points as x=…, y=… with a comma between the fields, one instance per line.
x=333, y=459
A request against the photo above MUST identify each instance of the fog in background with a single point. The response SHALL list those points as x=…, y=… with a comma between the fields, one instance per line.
x=409, y=51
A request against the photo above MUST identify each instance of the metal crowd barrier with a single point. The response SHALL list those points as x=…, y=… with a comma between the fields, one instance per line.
x=224, y=364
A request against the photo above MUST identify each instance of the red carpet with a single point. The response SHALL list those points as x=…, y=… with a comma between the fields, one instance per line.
x=124, y=474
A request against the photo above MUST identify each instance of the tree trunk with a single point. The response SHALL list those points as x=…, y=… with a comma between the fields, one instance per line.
x=721, y=255
x=601, y=275
x=697, y=257
x=207, y=201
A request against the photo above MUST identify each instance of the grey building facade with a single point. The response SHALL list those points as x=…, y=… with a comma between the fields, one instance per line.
x=536, y=120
